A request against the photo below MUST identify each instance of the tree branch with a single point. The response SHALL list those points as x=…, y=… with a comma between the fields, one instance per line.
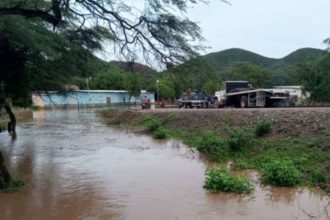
x=31, y=13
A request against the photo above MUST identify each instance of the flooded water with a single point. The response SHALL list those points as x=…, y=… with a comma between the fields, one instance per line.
x=76, y=167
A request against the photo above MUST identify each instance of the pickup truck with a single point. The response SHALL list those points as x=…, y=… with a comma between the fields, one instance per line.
x=190, y=100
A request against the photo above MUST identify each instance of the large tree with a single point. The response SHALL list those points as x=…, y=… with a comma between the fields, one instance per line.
x=152, y=29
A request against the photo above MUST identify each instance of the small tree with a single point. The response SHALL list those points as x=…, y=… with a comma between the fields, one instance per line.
x=132, y=85
x=211, y=87
x=166, y=88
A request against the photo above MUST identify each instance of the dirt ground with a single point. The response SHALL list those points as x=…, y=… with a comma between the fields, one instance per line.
x=288, y=122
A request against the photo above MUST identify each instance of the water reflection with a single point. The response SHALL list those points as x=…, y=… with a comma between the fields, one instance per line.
x=76, y=167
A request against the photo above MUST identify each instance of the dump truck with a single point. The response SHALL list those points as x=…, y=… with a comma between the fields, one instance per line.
x=241, y=94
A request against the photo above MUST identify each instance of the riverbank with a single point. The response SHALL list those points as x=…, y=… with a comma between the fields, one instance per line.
x=250, y=138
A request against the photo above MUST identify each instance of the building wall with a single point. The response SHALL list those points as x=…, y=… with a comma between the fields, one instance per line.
x=86, y=98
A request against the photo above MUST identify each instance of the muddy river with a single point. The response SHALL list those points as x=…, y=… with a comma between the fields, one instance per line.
x=76, y=167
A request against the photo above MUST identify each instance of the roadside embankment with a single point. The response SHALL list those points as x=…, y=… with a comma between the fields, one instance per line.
x=293, y=141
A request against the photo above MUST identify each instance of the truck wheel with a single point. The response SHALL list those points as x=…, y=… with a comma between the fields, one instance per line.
x=243, y=102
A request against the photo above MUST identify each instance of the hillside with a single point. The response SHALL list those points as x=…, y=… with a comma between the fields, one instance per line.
x=221, y=60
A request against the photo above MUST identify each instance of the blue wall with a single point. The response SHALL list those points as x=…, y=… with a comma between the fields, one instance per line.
x=86, y=97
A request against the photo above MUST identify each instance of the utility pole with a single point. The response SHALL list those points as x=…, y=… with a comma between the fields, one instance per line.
x=157, y=93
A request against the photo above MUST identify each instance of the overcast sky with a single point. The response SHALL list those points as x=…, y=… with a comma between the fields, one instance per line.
x=273, y=28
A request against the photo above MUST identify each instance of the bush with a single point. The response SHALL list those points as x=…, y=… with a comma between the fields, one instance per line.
x=240, y=140
x=281, y=173
x=160, y=133
x=153, y=125
x=327, y=191
x=264, y=127
x=13, y=186
x=220, y=180
x=212, y=146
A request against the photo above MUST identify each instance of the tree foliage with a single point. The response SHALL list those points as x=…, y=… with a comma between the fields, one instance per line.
x=315, y=77
x=150, y=27
x=256, y=75
x=166, y=88
x=35, y=58
x=112, y=78
x=132, y=84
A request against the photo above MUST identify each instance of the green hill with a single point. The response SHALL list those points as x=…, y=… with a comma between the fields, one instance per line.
x=221, y=60
x=298, y=56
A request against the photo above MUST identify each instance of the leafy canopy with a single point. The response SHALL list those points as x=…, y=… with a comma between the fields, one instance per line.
x=152, y=28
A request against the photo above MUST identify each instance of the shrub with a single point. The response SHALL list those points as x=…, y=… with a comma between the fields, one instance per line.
x=220, y=180
x=281, y=172
x=160, y=133
x=153, y=125
x=327, y=191
x=13, y=186
x=240, y=140
x=212, y=146
x=263, y=127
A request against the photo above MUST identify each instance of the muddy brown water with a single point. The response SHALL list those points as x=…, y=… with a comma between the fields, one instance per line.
x=76, y=167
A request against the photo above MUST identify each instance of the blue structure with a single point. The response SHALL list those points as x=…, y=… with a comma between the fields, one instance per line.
x=87, y=98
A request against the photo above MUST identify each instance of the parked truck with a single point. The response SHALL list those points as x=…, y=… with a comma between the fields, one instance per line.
x=191, y=100
x=241, y=94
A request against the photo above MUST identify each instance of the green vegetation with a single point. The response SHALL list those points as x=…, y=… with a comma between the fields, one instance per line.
x=264, y=127
x=220, y=180
x=13, y=186
x=240, y=140
x=315, y=76
x=281, y=172
x=211, y=145
x=153, y=125
x=224, y=59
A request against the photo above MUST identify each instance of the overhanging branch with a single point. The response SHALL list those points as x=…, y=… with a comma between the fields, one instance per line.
x=31, y=13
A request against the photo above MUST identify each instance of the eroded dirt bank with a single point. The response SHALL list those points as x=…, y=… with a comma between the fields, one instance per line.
x=289, y=122
x=299, y=134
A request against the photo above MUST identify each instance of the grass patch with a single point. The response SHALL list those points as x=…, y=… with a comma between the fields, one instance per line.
x=263, y=127
x=160, y=133
x=281, y=172
x=220, y=180
x=155, y=127
x=240, y=140
x=211, y=145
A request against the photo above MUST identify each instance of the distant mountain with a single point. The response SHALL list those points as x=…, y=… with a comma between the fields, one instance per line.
x=298, y=56
x=221, y=60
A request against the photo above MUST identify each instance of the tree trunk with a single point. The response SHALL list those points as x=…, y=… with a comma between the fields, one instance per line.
x=5, y=177
x=12, y=124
